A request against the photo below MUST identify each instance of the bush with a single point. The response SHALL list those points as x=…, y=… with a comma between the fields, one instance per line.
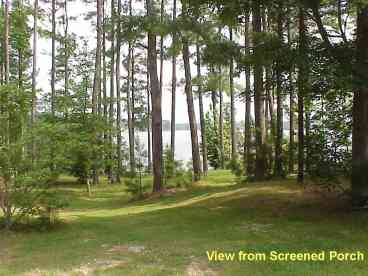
x=137, y=188
x=182, y=180
x=28, y=195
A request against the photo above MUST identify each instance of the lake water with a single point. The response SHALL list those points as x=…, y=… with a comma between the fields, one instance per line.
x=183, y=144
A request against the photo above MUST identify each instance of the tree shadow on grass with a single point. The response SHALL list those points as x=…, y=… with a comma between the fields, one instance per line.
x=189, y=223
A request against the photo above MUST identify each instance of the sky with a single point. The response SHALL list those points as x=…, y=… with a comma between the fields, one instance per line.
x=82, y=27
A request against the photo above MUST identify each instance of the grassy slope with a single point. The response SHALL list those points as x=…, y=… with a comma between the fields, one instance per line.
x=177, y=230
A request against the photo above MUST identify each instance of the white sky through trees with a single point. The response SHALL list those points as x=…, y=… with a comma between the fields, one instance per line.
x=86, y=28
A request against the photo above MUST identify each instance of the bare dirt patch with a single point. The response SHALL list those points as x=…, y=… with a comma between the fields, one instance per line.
x=197, y=268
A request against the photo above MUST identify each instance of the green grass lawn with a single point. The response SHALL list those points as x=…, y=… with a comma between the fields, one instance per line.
x=110, y=235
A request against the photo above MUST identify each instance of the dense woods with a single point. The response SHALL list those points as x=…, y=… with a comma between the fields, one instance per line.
x=295, y=72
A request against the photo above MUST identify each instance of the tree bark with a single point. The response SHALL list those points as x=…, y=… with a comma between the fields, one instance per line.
x=129, y=103
x=53, y=55
x=191, y=113
x=173, y=89
x=261, y=160
x=291, y=105
x=149, y=149
x=279, y=169
x=234, y=155
x=34, y=77
x=156, y=97
x=66, y=57
x=201, y=112
x=302, y=80
x=97, y=83
x=118, y=95
x=221, y=122
x=112, y=92
x=248, y=101
x=360, y=114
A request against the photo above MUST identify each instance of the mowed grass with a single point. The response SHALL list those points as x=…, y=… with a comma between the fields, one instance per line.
x=110, y=235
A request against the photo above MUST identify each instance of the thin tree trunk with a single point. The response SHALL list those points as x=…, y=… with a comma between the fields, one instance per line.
x=234, y=155
x=201, y=112
x=291, y=106
x=6, y=42
x=279, y=169
x=129, y=103
x=133, y=166
x=156, y=106
x=162, y=10
x=149, y=157
x=112, y=92
x=173, y=89
x=191, y=113
x=66, y=55
x=261, y=160
x=221, y=122
x=34, y=77
x=118, y=93
x=53, y=56
x=104, y=93
x=248, y=100
x=97, y=83
x=301, y=93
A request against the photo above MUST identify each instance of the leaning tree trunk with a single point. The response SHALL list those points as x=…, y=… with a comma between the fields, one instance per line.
x=360, y=114
x=191, y=113
x=261, y=160
x=156, y=106
x=201, y=112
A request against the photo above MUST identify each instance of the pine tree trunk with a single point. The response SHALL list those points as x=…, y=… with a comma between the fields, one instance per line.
x=302, y=80
x=248, y=100
x=66, y=57
x=234, y=155
x=129, y=103
x=118, y=94
x=261, y=160
x=97, y=83
x=34, y=77
x=156, y=106
x=360, y=115
x=202, y=117
x=173, y=89
x=191, y=113
x=112, y=93
x=53, y=56
x=161, y=47
x=221, y=122
x=279, y=169
x=104, y=93
x=133, y=163
x=291, y=106
x=149, y=147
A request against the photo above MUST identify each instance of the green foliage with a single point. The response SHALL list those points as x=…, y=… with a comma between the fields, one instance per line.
x=137, y=188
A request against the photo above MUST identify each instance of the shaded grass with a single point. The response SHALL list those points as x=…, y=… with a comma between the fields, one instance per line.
x=177, y=230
